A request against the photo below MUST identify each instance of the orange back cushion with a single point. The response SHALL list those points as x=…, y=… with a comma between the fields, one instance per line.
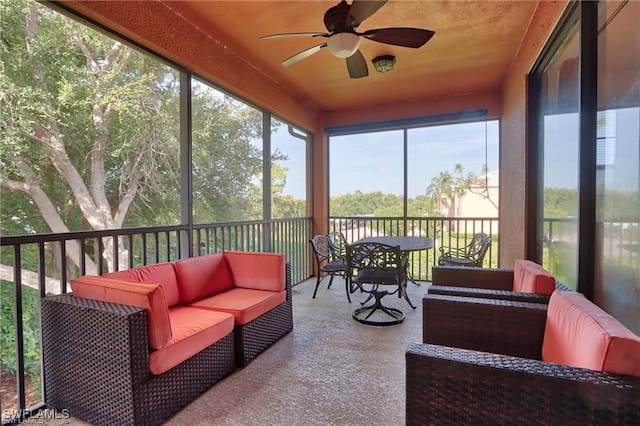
x=203, y=276
x=151, y=297
x=161, y=273
x=580, y=334
x=529, y=277
x=259, y=271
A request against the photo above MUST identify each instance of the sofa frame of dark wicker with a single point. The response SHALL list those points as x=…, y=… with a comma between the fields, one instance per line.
x=499, y=378
x=96, y=360
x=254, y=337
x=491, y=283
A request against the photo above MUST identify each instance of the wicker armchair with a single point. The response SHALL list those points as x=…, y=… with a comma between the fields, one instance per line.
x=470, y=255
x=499, y=378
x=495, y=283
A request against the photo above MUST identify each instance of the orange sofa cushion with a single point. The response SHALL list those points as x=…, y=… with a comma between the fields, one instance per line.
x=258, y=271
x=243, y=303
x=160, y=273
x=529, y=277
x=203, y=276
x=151, y=297
x=193, y=330
x=580, y=334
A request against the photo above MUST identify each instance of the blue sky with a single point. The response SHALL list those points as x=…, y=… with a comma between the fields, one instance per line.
x=374, y=161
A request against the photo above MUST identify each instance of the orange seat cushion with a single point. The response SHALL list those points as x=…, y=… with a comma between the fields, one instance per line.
x=259, y=271
x=160, y=273
x=193, y=330
x=580, y=334
x=243, y=303
x=529, y=277
x=202, y=276
x=151, y=297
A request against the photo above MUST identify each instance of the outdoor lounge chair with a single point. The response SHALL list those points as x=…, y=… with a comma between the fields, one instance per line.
x=499, y=362
x=470, y=255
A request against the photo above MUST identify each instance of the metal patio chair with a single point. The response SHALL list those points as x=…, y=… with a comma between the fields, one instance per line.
x=380, y=270
x=471, y=255
x=328, y=263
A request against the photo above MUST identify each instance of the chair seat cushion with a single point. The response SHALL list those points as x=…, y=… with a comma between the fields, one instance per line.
x=193, y=330
x=337, y=265
x=244, y=304
x=457, y=261
x=580, y=334
x=377, y=276
x=529, y=277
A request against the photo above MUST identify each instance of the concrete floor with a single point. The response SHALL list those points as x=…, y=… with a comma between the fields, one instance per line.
x=331, y=370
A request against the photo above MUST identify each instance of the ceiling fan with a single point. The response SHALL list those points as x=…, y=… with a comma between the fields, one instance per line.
x=344, y=41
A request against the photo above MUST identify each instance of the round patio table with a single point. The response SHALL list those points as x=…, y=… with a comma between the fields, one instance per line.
x=406, y=244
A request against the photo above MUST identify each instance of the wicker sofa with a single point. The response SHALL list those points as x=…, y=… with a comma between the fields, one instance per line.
x=500, y=362
x=527, y=281
x=135, y=346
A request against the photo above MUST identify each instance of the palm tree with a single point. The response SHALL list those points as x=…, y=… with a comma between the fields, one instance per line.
x=440, y=189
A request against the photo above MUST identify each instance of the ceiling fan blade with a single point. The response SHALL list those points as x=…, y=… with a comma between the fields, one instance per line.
x=406, y=37
x=290, y=35
x=357, y=66
x=302, y=55
x=362, y=9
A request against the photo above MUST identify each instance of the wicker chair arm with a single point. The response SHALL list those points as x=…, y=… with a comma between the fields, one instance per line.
x=485, y=293
x=446, y=385
x=491, y=325
x=493, y=278
x=116, y=336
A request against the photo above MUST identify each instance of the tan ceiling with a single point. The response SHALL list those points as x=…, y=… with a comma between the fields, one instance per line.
x=472, y=50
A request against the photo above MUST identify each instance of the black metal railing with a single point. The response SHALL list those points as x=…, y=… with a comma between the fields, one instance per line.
x=33, y=266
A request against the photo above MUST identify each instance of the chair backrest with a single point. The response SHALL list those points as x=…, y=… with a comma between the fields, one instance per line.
x=321, y=247
x=338, y=243
x=475, y=247
x=482, y=251
x=372, y=256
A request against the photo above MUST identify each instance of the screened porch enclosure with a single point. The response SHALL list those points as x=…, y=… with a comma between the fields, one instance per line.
x=128, y=144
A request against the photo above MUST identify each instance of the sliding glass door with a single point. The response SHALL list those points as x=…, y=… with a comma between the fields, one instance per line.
x=617, y=275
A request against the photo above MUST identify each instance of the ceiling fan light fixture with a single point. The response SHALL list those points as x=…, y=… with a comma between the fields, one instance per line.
x=344, y=44
x=384, y=63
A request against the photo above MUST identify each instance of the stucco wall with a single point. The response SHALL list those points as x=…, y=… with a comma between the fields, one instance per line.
x=514, y=163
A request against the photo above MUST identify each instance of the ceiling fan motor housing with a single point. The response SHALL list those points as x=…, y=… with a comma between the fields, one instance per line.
x=336, y=18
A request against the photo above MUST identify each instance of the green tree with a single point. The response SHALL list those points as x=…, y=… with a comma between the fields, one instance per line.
x=83, y=121
x=90, y=133
x=441, y=189
x=227, y=165
x=560, y=202
x=283, y=205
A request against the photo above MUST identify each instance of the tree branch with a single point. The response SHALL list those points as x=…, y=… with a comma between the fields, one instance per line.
x=31, y=187
x=111, y=56
x=91, y=60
